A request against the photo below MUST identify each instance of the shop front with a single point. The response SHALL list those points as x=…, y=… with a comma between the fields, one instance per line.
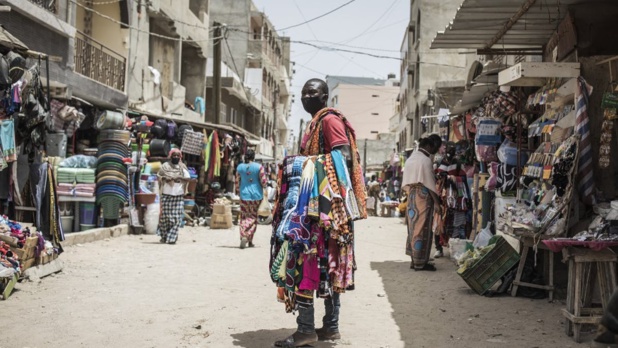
x=533, y=140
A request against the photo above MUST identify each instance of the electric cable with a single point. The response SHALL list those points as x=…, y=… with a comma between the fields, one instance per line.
x=318, y=17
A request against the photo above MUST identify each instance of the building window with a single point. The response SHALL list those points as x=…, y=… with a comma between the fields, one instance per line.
x=375, y=114
x=375, y=96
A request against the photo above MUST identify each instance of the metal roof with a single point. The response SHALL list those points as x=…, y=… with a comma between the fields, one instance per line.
x=504, y=24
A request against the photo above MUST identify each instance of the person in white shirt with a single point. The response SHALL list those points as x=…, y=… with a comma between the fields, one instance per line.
x=174, y=176
x=423, y=202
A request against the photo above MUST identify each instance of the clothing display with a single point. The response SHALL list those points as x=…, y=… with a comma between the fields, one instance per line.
x=312, y=244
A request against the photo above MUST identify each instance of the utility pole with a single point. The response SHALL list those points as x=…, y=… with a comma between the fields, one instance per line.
x=300, y=134
x=365, y=158
x=216, y=79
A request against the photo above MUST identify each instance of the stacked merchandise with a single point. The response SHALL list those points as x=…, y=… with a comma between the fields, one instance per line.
x=221, y=217
x=20, y=249
x=547, y=177
x=112, y=173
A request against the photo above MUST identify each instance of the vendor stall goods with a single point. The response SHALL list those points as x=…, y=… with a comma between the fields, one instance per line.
x=112, y=173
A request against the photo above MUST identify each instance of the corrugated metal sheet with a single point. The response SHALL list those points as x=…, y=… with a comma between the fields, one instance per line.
x=525, y=23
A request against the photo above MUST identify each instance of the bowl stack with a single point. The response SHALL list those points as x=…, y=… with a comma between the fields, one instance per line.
x=112, y=176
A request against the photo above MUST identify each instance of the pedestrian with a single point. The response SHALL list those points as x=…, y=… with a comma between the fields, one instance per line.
x=174, y=177
x=251, y=182
x=374, y=195
x=328, y=136
x=419, y=182
x=396, y=187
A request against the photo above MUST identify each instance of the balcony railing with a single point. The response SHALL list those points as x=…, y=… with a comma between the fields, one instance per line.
x=49, y=5
x=94, y=60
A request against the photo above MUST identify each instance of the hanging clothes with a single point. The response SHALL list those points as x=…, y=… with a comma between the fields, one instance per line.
x=7, y=138
x=207, y=152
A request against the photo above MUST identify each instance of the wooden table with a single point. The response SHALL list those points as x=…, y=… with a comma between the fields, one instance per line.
x=530, y=241
x=587, y=268
x=386, y=208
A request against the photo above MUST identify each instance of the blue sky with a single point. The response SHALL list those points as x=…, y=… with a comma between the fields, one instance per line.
x=376, y=24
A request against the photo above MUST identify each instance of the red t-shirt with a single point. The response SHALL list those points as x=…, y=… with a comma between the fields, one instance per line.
x=334, y=132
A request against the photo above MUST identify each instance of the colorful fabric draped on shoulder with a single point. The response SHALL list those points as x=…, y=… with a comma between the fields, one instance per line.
x=314, y=146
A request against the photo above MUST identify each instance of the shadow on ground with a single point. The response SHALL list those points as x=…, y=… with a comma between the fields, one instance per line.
x=266, y=338
x=438, y=309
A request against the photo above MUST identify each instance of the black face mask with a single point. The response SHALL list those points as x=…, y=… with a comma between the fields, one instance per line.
x=312, y=104
x=175, y=160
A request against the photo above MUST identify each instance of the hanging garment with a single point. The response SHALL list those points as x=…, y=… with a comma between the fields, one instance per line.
x=7, y=137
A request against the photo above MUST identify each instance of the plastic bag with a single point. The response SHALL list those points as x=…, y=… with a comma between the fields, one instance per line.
x=264, y=209
x=79, y=161
x=482, y=239
x=507, y=153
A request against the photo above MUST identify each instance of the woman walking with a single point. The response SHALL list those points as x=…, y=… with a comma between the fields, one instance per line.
x=174, y=177
x=423, y=202
x=251, y=184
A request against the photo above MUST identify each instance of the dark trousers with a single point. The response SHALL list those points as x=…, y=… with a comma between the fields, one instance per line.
x=306, y=316
x=438, y=245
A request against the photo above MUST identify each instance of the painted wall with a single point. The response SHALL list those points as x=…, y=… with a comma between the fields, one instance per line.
x=433, y=65
x=368, y=108
x=108, y=33
x=378, y=150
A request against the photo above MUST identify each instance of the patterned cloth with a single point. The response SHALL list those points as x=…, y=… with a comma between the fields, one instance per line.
x=248, y=218
x=582, y=127
x=420, y=219
x=171, y=217
x=313, y=145
x=193, y=143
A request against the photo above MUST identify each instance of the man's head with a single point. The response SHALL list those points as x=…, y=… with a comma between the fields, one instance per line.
x=314, y=96
x=373, y=178
x=431, y=144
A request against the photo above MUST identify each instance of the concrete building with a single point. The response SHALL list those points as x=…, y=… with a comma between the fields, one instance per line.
x=430, y=79
x=168, y=47
x=366, y=102
x=256, y=84
x=88, y=51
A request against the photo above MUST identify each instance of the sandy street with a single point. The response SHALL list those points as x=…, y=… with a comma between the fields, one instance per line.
x=206, y=292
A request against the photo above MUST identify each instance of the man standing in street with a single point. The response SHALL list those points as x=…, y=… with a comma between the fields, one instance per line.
x=329, y=263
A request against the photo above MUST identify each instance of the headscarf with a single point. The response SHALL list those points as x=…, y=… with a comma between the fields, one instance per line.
x=173, y=171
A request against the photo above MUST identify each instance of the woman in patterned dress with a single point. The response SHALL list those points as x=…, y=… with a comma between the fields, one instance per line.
x=174, y=177
x=423, y=202
x=251, y=184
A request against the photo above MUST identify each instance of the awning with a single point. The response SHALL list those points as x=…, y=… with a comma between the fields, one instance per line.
x=8, y=40
x=505, y=24
x=204, y=125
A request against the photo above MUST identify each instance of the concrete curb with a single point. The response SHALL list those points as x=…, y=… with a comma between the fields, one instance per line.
x=95, y=235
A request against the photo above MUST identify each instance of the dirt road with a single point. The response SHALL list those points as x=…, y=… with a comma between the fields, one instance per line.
x=206, y=292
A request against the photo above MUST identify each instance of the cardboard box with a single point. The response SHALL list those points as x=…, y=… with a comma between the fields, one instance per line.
x=221, y=209
x=31, y=242
x=24, y=254
x=221, y=221
x=27, y=264
x=46, y=258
